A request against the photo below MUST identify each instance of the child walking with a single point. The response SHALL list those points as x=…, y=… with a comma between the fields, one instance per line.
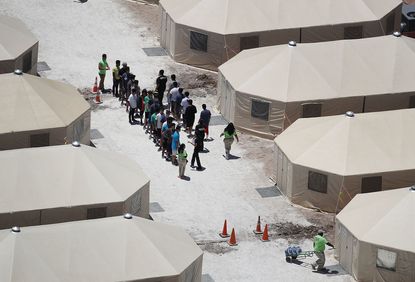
x=182, y=157
x=229, y=135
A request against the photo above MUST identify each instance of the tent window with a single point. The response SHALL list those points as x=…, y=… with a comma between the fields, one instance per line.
x=39, y=140
x=412, y=102
x=353, y=32
x=311, y=110
x=249, y=42
x=260, y=109
x=371, y=184
x=386, y=260
x=198, y=41
x=317, y=182
x=93, y=213
x=27, y=61
x=390, y=24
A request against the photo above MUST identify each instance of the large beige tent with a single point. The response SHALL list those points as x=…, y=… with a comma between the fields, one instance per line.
x=374, y=236
x=265, y=90
x=65, y=183
x=324, y=162
x=18, y=46
x=37, y=112
x=207, y=33
x=108, y=249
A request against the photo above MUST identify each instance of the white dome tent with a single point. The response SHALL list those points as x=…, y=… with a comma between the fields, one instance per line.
x=374, y=236
x=324, y=162
x=18, y=46
x=207, y=33
x=69, y=183
x=38, y=112
x=264, y=90
x=108, y=249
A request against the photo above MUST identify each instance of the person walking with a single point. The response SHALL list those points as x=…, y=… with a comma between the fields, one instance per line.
x=102, y=70
x=175, y=143
x=319, y=245
x=205, y=116
x=229, y=136
x=116, y=79
x=182, y=158
x=132, y=101
x=161, y=82
x=198, y=146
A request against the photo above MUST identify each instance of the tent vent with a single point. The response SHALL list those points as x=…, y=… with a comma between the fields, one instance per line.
x=18, y=72
x=128, y=216
x=15, y=229
x=292, y=43
x=412, y=189
x=76, y=144
x=349, y=114
x=397, y=34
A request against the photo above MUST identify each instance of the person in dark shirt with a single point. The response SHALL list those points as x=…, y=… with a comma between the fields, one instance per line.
x=205, y=115
x=161, y=82
x=198, y=145
x=189, y=116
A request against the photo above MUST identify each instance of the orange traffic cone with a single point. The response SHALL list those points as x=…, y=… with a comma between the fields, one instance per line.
x=98, y=98
x=265, y=237
x=224, y=233
x=232, y=240
x=95, y=87
x=258, y=226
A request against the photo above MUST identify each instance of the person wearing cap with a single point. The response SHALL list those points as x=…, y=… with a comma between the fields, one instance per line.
x=319, y=245
x=102, y=70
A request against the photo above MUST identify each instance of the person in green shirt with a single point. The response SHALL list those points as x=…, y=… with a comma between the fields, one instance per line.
x=229, y=135
x=182, y=158
x=102, y=70
x=319, y=245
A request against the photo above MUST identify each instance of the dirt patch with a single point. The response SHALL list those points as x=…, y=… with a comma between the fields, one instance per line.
x=202, y=81
x=293, y=232
x=90, y=98
x=218, y=248
x=325, y=220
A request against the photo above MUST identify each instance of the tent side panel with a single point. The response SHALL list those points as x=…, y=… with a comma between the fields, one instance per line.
x=387, y=102
x=303, y=195
x=25, y=218
x=321, y=33
x=139, y=203
x=58, y=215
x=294, y=110
x=193, y=273
x=20, y=140
x=19, y=61
x=223, y=97
x=80, y=129
x=267, y=127
x=163, y=26
x=7, y=66
x=210, y=59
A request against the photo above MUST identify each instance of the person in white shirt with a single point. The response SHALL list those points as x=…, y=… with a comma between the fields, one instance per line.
x=132, y=101
x=184, y=103
x=160, y=119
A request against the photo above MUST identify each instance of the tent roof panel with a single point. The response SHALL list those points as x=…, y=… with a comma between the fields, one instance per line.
x=367, y=143
x=50, y=104
x=244, y=16
x=326, y=70
x=65, y=176
x=109, y=249
x=15, y=38
x=385, y=218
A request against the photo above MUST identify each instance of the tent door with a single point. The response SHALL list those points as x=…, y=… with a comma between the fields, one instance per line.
x=346, y=250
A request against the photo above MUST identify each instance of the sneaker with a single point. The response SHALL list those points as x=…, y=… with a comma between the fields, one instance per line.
x=199, y=168
x=313, y=266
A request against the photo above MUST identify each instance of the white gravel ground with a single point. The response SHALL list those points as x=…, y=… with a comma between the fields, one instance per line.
x=72, y=39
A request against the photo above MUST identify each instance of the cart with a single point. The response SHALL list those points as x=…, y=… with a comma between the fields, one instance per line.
x=295, y=252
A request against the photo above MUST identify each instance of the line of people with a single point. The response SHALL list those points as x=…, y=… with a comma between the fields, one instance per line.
x=164, y=122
